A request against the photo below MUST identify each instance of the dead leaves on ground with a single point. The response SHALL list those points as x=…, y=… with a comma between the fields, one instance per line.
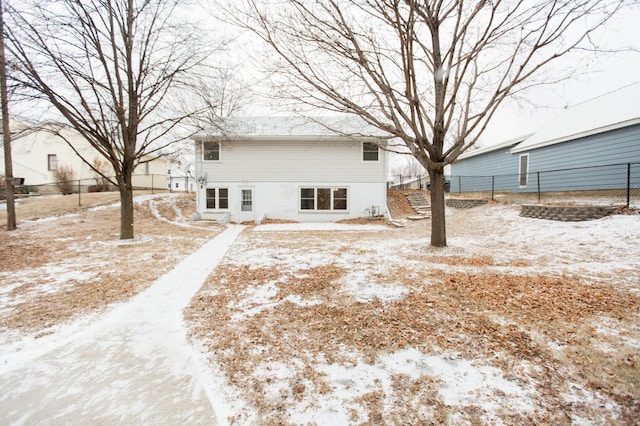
x=85, y=268
x=310, y=319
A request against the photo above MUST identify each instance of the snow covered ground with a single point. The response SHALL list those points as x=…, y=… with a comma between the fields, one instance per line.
x=373, y=326
x=517, y=321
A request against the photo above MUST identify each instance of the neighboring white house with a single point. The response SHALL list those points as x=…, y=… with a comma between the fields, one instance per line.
x=289, y=168
x=180, y=181
x=36, y=153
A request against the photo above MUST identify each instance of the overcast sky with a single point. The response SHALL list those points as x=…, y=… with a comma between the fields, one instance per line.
x=605, y=72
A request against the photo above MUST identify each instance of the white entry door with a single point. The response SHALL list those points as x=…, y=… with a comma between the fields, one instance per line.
x=246, y=204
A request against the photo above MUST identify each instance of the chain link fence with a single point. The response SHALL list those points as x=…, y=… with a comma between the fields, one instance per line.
x=141, y=182
x=611, y=185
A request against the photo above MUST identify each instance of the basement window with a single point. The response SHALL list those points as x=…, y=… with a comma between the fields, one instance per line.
x=323, y=199
x=217, y=198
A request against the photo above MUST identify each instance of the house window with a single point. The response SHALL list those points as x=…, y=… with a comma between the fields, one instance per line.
x=177, y=185
x=369, y=152
x=217, y=198
x=211, y=151
x=339, y=198
x=146, y=168
x=307, y=199
x=319, y=199
x=524, y=170
x=223, y=198
x=52, y=162
x=211, y=198
x=247, y=202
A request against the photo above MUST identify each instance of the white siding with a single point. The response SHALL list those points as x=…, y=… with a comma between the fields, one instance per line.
x=30, y=154
x=261, y=161
x=276, y=170
x=282, y=201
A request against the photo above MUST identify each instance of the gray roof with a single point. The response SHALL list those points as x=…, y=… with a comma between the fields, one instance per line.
x=613, y=110
x=291, y=127
x=491, y=148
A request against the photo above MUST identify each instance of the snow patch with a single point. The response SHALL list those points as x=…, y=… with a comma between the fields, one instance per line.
x=365, y=291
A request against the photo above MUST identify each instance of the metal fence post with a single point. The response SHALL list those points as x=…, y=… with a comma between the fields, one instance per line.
x=493, y=180
x=79, y=191
x=152, y=183
x=538, y=173
x=628, y=184
x=459, y=184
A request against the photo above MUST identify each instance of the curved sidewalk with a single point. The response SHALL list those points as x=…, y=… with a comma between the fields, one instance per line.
x=132, y=366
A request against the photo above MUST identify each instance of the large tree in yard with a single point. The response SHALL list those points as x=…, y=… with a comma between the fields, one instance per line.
x=431, y=73
x=112, y=70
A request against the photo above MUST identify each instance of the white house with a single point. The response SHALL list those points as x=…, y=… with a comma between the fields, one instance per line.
x=37, y=152
x=290, y=168
x=180, y=180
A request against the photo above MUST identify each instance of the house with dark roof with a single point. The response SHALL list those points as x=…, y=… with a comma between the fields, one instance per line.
x=570, y=152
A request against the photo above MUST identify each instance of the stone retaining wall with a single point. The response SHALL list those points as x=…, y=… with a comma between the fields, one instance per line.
x=464, y=203
x=566, y=213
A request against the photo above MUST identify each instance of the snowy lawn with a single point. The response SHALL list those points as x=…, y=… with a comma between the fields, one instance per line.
x=517, y=321
x=65, y=263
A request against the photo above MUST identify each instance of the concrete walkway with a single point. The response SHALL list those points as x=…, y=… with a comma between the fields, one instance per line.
x=132, y=366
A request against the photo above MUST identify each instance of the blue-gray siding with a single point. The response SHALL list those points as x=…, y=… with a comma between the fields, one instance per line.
x=567, y=166
x=482, y=167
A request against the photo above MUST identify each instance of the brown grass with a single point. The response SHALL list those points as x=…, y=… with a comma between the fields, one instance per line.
x=538, y=329
x=73, y=263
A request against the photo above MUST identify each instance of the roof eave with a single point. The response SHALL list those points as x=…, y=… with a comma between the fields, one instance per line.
x=287, y=138
x=574, y=136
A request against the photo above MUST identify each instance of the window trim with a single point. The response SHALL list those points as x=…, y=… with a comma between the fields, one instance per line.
x=207, y=198
x=520, y=171
x=226, y=198
x=363, y=152
x=53, y=157
x=219, y=152
x=332, y=199
x=216, y=198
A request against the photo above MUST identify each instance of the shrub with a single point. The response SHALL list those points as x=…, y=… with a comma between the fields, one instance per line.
x=64, y=179
x=101, y=170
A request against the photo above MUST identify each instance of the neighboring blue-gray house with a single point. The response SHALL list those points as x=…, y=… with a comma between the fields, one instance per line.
x=568, y=154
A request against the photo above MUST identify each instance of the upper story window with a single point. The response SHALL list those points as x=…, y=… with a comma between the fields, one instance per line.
x=370, y=152
x=211, y=151
x=52, y=162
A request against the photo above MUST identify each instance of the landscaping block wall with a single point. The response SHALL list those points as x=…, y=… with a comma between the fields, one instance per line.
x=565, y=213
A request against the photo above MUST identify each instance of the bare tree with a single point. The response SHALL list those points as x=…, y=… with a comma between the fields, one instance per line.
x=6, y=186
x=225, y=93
x=112, y=69
x=430, y=73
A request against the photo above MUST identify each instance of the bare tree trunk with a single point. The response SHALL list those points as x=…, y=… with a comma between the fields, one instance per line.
x=126, y=207
x=6, y=131
x=126, y=214
x=438, y=223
